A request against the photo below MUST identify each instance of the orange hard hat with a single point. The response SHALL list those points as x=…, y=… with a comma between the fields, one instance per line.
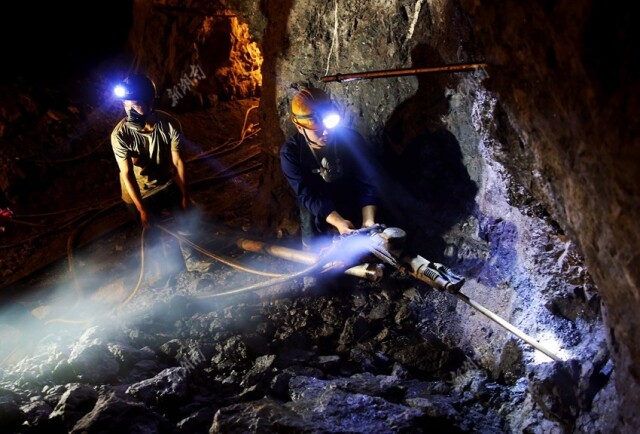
x=312, y=108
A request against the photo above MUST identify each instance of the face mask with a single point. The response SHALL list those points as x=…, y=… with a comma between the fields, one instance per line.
x=136, y=120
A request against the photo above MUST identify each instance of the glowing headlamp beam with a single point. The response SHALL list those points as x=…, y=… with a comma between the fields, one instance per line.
x=331, y=120
x=119, y=91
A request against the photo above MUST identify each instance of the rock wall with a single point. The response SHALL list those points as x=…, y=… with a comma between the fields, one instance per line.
x=197, y=52
x=545, y=133
x=562, y=76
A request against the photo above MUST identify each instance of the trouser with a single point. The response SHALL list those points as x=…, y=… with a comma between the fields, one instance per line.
x=164, y=256
x=313, y=238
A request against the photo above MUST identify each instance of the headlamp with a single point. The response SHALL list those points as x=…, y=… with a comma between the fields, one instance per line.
x=331, y=120
x=136, y=87
x=120, y=91
x=328, y=120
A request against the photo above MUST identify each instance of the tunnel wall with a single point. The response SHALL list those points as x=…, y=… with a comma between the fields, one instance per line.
x=554, y=180
x=197, y=53
x=534, y=198
x=563, y=78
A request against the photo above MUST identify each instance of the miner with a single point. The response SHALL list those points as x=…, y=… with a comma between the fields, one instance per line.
x=328, y=166
x=148, y=146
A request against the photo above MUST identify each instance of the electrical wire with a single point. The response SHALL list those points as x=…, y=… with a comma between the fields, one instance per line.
x=244, y=130
x=74, y=219
x=21, y=222
x=245, y=133
x=68, y=210
x=224, y=148
x=140, y=277
x=72, y=159
x=71, y=239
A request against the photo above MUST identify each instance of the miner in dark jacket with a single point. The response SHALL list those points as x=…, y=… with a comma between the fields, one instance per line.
x=329, y=169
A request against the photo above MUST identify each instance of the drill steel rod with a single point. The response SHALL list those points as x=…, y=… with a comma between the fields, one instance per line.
x=513, y=329
x=362, y=272
x=415, y=272
x=401, y=72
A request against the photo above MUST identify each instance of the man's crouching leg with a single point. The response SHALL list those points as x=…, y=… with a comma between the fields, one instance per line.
x=174, y=260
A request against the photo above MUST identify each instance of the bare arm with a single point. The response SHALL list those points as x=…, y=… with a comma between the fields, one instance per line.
x=368, y=216
x=181, y=178
x=342, y=225
x=129, y=181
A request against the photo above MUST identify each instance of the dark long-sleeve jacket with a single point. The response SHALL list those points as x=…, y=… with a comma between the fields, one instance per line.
x=355, y=190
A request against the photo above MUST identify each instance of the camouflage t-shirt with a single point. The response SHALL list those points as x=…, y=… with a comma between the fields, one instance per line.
x=150, y=152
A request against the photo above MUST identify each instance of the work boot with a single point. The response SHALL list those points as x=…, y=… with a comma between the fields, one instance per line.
x=189, y=224
x=195, y=264
x=194, y=260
